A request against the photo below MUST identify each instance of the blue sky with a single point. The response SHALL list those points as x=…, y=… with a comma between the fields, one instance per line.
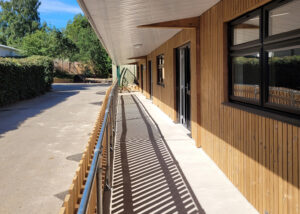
x=58, y=12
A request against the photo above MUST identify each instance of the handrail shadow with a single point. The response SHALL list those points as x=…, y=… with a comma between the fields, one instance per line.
x=147, y=178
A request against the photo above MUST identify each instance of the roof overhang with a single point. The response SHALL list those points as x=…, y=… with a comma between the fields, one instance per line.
x=9, y=48
x=116, y=23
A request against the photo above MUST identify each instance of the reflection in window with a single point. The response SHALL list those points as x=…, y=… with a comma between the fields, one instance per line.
x=160, y=69
x=246, y=31
x=284, y=18
x=246, y=71
x=284, y=77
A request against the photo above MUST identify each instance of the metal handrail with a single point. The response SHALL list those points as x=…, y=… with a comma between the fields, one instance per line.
x=97, y=153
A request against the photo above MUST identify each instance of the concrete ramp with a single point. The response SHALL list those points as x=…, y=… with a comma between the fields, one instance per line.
x=146, y=178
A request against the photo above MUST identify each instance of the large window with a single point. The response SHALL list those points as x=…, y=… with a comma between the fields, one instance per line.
x=264, y=57
x=160, y=69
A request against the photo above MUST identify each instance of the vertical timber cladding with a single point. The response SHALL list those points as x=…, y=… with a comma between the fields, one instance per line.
x=259, y=155
x=164, y=96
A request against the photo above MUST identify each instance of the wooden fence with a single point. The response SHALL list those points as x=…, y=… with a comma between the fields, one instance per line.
x=285, y=96
x=73, y=198
x=246, y=91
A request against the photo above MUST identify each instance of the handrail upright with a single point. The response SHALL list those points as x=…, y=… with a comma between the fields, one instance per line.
x=107, y=129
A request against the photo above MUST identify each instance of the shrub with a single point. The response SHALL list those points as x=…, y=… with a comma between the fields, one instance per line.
x=62, y=74
x=24, y=78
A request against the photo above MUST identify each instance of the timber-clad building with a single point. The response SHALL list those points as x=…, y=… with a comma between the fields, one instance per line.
x=227, y=70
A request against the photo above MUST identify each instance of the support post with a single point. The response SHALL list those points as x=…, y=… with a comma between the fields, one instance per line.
x=118, y=75
x=198, y=91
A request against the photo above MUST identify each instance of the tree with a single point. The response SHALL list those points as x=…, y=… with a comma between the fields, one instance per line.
x=66, y=48
x=17, y=19
x=90, y=51
x=48, y=42
x=77, y=31
x=99, y=58
x=40, y=42
x=20, y=27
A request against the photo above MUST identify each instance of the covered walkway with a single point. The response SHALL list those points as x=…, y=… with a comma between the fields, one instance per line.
x=147, y=178
x=157, y=168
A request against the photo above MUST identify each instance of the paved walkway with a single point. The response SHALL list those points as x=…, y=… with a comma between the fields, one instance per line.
x=41, y=142
x=158, y=169
x=146, y=177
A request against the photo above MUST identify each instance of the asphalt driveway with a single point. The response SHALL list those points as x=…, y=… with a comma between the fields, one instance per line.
x=41, y=142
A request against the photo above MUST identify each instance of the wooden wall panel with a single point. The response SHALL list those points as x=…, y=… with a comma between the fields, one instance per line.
x=259, y=155
x=164, y=97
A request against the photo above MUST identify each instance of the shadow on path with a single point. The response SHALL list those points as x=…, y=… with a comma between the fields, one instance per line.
x=147, y=178
x=12, y=116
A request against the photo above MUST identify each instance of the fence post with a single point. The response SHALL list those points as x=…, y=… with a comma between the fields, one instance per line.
x=99, y=189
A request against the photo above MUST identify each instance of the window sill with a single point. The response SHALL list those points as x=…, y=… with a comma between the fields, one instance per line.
x=269, y=113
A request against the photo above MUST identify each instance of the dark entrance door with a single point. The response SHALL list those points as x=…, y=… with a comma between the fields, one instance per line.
x=150, y=78
x=142, y=78
x=183, y=85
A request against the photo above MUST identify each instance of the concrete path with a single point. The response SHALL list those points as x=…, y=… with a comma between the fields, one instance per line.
x=158, y=169
x=41, y=142
x=146, y=177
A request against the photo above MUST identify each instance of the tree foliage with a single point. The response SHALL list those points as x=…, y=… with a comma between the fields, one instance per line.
x=90, y=51
x=40, y=43
x=17, y=19
x=20, y=27
x=48, y=42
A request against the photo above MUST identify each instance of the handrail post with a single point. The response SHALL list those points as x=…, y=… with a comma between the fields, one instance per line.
x=99, y=189
x=108, y=154
x=96, y=171
x=115, y=100
x=111, y=142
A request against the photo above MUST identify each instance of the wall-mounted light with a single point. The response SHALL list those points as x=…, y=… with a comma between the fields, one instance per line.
x=138, y=45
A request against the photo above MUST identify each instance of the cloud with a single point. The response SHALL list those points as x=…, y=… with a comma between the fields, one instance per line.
x=52, y=6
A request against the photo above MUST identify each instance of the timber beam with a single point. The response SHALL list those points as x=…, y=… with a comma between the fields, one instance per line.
x=188, y=23
x=138, y=57
x=132, y=63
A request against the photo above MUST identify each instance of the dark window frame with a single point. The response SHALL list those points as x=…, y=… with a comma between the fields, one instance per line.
x=137, y=72
x=262, y=45
x=159, y=69
x=142, y=76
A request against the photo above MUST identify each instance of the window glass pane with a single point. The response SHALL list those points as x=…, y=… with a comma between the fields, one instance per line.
x=284, y=18
x=160, y=69
x=246, y=71
x=246, y=31
x=284, y=77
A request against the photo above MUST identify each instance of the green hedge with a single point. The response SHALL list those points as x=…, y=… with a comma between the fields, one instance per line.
x=24, y=78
